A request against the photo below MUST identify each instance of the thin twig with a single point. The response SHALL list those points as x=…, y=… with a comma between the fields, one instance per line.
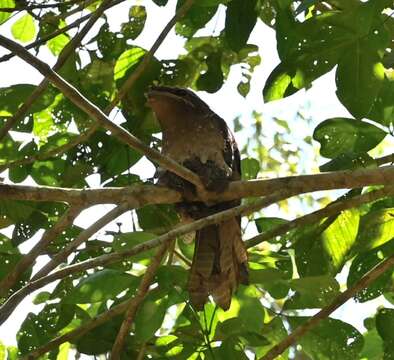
x=365, y=281
x=7, y=308
x=149, y=55
x=134, y=303
x=57, y=32
x=331, y=209
x=93, y=111
x=80, y=239
x=122, y=92
x=68, y=50
x=83, y=6
x=27, y=260
x=38, y=6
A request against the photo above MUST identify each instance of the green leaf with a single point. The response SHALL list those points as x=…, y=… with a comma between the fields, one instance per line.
x=196, y=17
x=160, y=2
x=13, y=96
x=385, y=328
x=157, y=217
x=366, y=261
x=129, y=240
x=249, y=168
x=307, y=50
x=376, y=228
x=330, y=339
x=341, y=135
x=373, y=346
x=128, y=59
x=265, y=224
x=312, y=292
x=136, y=23
x=349, y=160
x=211, y=80
x=339, y=238
x=324, y=248
x=149, y=318
x=24, y=29
x=241, y=17
x=100, y=286
x=359, y=77
x=5, y=4
x=383, y=108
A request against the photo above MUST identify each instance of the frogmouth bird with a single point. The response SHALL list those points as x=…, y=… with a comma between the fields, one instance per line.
x=197, y=138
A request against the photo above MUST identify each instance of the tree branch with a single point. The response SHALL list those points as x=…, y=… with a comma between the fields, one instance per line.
x=83, y=103
x=7, y=308
x=80, y=239
x=331, y=209
x=385, y=160
x=63, y=223
x=153, y=194
x=365, y=281
x=68, y=50
x=122, y=92
x=135, y=302
x=38, y=6
x=149, y=55
x=78, y=332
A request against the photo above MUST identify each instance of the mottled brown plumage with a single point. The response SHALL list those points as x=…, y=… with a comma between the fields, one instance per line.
x=199, y=139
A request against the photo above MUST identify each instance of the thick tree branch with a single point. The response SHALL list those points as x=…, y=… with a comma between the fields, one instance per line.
x=93, y=111
x=150, y=194
x=68, y=50
x=135, y=302
x=365, y=281
x=81, y=238
x=7, y=308
x=331, y=209
x=64, y=222
x=387, y=159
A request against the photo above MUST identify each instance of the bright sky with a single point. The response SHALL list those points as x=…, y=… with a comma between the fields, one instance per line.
x=319, y=102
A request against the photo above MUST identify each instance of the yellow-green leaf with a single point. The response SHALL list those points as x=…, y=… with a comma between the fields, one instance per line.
x=5, y=4
x=24, y=29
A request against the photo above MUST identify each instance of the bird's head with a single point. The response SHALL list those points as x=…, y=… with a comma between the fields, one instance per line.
x=173, y=100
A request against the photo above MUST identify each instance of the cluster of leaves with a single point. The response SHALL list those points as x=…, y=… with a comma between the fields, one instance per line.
x=297, y=270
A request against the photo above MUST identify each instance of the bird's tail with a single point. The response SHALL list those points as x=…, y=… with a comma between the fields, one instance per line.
x=219, y=264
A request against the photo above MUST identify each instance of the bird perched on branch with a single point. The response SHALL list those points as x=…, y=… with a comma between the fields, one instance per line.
x=197, y=138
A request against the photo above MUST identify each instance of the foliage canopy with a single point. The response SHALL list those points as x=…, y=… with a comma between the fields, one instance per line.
x=47, y=140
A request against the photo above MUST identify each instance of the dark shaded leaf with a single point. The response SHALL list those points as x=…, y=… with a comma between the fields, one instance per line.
x=341, y=135
x=241, y=17
x=100, y=286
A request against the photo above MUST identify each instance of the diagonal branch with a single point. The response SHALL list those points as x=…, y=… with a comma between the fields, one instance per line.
x=93, y=111
x=365, y=281
x=63, y=223
x=69, y=49
x=7, y=308
x=331, y=209
x=57, y=32
x=135, y=302
x=149, y=55
x=80, y=239
x=122, y=92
